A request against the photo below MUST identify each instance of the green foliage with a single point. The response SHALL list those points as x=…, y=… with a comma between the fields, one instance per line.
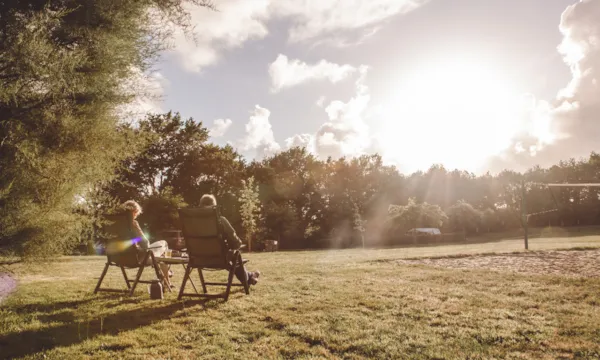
x=94, y=205
x=357, y=227
x=166, y=143
x=62, y=74
x=464, y=217
x=249, y=209
x=290, y=189
x=282, y=224
x=160, y=212
x=414, y=215
x=335, y=203
x=490, y=220
x=210, y=169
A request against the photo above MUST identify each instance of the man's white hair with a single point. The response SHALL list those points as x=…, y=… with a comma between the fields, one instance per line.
x=208, y=200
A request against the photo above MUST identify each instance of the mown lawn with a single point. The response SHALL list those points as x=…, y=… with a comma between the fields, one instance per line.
x=314, y=304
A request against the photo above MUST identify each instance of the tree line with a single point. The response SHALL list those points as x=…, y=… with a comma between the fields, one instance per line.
x=305, y=202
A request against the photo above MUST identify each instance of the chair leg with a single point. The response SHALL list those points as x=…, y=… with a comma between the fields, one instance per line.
x=137, y=278
x=101, y=278
x=126, y=279
x=192, y=283
x=245, y=282
x=230, y=279
x=202, y=280
x=188, y=270
x=159, y=274
x=139, y=273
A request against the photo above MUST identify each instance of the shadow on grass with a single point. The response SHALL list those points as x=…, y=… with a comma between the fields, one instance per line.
x=10, y=262
x=62, y=305
x=72, y=330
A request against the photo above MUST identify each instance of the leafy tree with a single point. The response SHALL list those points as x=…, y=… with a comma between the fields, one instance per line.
x=249, y=209
x=462, y=216
x=211, y=169
x=282, y=224
x=94, y=205
x=490, y=220
x=291, y=184
x=160, y=212
x=63, y=71
x=358, y=228
x=414, y=215
x=168, y=143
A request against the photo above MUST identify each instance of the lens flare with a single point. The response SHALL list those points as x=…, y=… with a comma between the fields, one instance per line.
x=118, y=246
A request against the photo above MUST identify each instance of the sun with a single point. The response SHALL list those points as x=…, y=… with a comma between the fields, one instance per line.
x=455, y=113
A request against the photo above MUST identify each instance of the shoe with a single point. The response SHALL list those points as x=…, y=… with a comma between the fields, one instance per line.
x=253, y=277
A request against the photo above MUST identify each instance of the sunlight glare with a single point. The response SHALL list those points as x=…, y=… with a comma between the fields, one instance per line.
x=456, y=114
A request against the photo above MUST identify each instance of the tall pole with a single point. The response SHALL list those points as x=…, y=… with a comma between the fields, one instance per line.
x=524, y=217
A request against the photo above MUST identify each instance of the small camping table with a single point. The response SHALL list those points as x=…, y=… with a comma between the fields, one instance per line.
x=176, y=260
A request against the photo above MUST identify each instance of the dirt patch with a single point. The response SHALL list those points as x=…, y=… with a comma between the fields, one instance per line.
x=565, y=263
x=7, y=285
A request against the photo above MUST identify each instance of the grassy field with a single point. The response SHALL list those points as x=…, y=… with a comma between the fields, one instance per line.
x=314, y=304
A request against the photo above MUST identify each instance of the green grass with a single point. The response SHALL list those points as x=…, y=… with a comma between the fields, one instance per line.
x=313, y=304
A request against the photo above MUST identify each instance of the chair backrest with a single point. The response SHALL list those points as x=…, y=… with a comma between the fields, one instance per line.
x=120, y=244
x=203, y=236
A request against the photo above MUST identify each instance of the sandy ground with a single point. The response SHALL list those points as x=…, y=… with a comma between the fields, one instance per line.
x=7, y=285
x=565, y=263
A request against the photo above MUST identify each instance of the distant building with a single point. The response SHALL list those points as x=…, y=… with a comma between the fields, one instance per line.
x=424, y=231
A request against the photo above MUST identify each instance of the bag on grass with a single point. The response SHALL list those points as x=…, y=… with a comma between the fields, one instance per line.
x=155, y=289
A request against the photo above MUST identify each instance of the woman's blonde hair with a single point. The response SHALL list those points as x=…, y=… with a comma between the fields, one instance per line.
x=132, y=206
x=208, y=200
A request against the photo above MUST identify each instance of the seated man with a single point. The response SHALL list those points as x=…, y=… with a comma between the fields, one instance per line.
x=233, y=241
x=158, y=248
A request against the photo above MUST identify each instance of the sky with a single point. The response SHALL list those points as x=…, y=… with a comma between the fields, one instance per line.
x=479, y=85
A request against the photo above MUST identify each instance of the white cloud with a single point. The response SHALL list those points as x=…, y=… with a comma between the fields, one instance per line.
x=316, y=18
x=346, y=133
x=348, y=38
x=235, y=22
x=259, y=134
x=148, y=89
x=301, y=140
x=572, y=119
x=238, y=21
x=580, y=25
x=285, y=73
x=220, y=127
x=320, y=101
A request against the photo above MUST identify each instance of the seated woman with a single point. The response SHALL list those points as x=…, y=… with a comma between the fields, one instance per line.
x=158, y=248
x=233, y=241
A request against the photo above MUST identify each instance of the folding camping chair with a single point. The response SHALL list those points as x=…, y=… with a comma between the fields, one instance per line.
x=207, y=250
x=123, y=251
